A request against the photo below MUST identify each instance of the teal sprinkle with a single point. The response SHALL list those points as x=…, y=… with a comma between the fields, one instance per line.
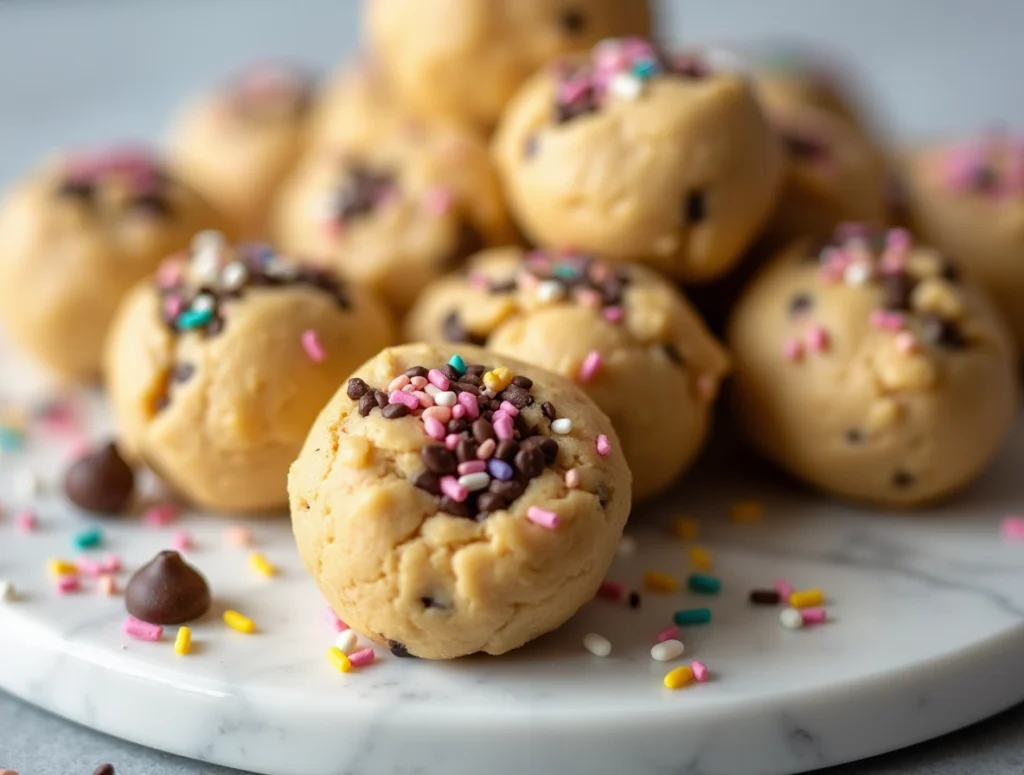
x=194, y=319
x=11, y=439
x=704, y=584
x=88, y=539
x=566, y=270
x=646, y=68
x=457, y=363
x=692, y=616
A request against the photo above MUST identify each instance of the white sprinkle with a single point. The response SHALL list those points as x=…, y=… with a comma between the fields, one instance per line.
x=489, y=393
x=627, y=546
x=667, y=650
x=347, y=641
x=598, y=645
x=209, y=239
x=431, y=390
x=477, y=481
x=234, y=275
x=204, y=302
x=445, y=398
x=626, y=86
x=791, y=618
x=7, y=591
x=550, y=290
x=561, y=426
x=26, y=484
x=857, y=273
x=205, y=266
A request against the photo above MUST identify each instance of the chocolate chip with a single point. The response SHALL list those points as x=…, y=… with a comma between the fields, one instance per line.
x=902, y=480
x=572, y=21
x=764, y=597
x=453, y=332
x=530, y=462
x=951, y=272
x=399, y=649
x=466, y=450
x=508, y=489
x=546, y=445
x=673, y=354
x=100, y=481
x=439, y=460
x=470, y=384
x=152, y=203
x=104, y=769
x=854, y=436
x=182, y=372
x=519, y=397
x=696, y=209
x=489, y=502
x=76, y=189
x=800, y=303
x=454, y=507
x=468, y=241
x=548, y=409
x=367, y=403
x=634, y=599
x=428, y=482
x=522, y=382
x=394, y=411
x=943, y=333
x=360, y=190
x=381, y=398
x=427, y=602
x=482, y=430
x=458, y=425
x=167, y=590
x=416, y=371
x=356, y=389
x=896, y=290
x=449, y=371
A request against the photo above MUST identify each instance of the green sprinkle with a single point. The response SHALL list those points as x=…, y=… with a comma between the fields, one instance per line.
x=457, y=363
x=645, y=68
x=11, y=439
x=566, y=270
x=704, y=584
x=88, y=539
x=692, y=616
x=194, y=319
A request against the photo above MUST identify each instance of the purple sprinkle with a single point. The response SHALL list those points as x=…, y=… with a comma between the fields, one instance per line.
x=499, y=469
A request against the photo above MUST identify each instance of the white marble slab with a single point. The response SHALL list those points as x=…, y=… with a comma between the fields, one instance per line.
x=927, y=637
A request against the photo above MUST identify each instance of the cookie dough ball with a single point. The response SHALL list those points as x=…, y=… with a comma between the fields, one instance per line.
x=968, y=199
x=75, y=235
x=636, y=157
x=393, y=212
x=464, y=59
x=869, y=369
x=217, y=367
x=440, y=513
x=614, y=330
x=237, y=144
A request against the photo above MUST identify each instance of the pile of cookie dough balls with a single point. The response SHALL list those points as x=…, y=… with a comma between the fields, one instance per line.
x=448, y=303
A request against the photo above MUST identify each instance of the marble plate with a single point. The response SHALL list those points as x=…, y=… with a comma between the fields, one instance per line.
x=927, y=636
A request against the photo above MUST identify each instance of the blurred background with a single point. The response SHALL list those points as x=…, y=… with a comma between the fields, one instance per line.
x=78, y=71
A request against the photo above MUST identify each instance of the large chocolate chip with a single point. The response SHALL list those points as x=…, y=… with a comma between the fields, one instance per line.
x=399, y=649
x=428, y=482
x=394, y=411
x=530, y=462
x=356, y=389
x=517, y=396
x=454, y=507
x=167, y=590
x=438, y=460
x=902, y=480
x=100, y=481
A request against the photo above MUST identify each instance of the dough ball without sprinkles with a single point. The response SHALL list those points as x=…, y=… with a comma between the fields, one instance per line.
x=211, y=376
x=442, y=531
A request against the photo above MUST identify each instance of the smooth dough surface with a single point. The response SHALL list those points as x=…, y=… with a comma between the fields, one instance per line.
x=870, y=370
x=220, y=412
x=75, y=235
x=679, y=170
x=400, y=571
x=463, y=59
x=656, y=339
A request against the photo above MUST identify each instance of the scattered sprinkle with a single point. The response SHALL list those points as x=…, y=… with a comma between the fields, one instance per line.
x=346, y=641
x=793, y=350
x=26, y=521
x=561, y=426
x=335, y=623
x=111, y=564
x=669, y=633
x=67, y=584
x=572, y=478
x=1012, y=528
x=784, y=588
x=183, y=641
x=262, y=565
x=457, y=363
x=791, y=618
x=700, y=559
x=182, y=541
x=542, y=517
x=598, y=645
x=611, y=590
x=807, y=598
x=590, y=367
x=140, y=630
x=678, y=678
x=88, y=566
x=107, y=585
x=686, y=529
x=667, y=650
x=689, y=616
x=339, y=659
x=161, y=514
x=814, y=616
x=239, y=623
x=765, y=597
x=604, y=447
x=26, y=484
x=746, y=511
x=655, y=581
x=362, y=658
x=62, y=568
x=237, y=536
x=88, y=539
x=704, y=584
x=700, y=671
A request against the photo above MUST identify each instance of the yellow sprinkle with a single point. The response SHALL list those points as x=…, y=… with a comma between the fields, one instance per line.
x=62, y=568
x=746, y=512
x=183, y=642
x=807, y=598
x=678, y=678
x=240, y=623
x=686, y=529
x=262, y=564
x=656, y=581
x=338, y=658
x=700, y=559
x=498, y=379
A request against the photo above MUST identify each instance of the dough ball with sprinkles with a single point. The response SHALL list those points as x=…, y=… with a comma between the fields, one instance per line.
x=440, y=515
x=463, y=60
x=622, y=333
x=689, y=203
x=967, y=198
x=236, y=144
x=393, y=210
x=867, y=367
x=75, y=235
x=217, y=365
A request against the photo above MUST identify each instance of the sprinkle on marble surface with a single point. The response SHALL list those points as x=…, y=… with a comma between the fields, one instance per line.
x=686, y=528
x=183, y=641
x=237, y=536
x=262, y=565
x=596, y=644
x=333, y=621
x=239, y=622
x=161, y=514
x=26, y=521
x=664, y=583
x=347, y=641
x=678, y=678
x=140, y=630
x=1012, y=528
x=339, y=659
x=667, y=650
x=701, y=559
x=362, y=658
x=806, y=598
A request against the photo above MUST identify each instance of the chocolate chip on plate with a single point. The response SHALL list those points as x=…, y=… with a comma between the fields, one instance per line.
x=100, y=481
x=167, y=590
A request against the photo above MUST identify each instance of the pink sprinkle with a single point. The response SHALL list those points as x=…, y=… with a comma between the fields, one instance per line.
x=450, y=486
x=611, y=590
x=906, y=342
x=898, y=240
x=398, y=383
x=590, y=367
x=400, y=397
x=669, y=633
x=236, y=535
x=67, y=584
x=573, y=90
x=478, y=281
x=88, y=567
x=509, y=408
x=700, y=670
x=962, y=163
x=361, y=658
x=817, y=338
x=182, y=541
x=451, y=441
x=440, y=413
x=419, y=383
x=336, y=624
x=169, y=274
x=472, y=467
x=612, y=314
x=589, y=298
x=140, y=630
x=887, y=321
x=892, y=263
x=1013, y=528
x=111, y=564
x=26, y=521
x=458, y=411
x=849, y=230
x=425, y=399
x=814, y=615
x=503, y=426
x=409, y=389
x=161, y=514
x=438, y=380
x=173, y=306
x=486, y=450
x=604, y=447
x=108, y=585
x=468, y=401
x=542, y=517
x=572, y=478
x=313, y=346
x=435, y=428
x=784, y=588
x=439, y=200
x=793, y=349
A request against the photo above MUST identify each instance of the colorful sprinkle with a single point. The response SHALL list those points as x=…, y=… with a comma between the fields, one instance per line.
x=182, y=541
x=690, y=616
x=784, y=588
x=25, y=521
x=678, y=678
x=67, y=584
x=542, y=517
x=237, y=536
x=906, y=342
x=572, y=478
x=450, y=486
x=611, y=590
x=262, y=565
x=590, y=367
x=700, y=559
x=239, y=623
x=88, y=539
x=667, y=650
x=313, y=346
x=704, y=584
x=656, y=581
x=339, y=659
x=457, y=363
x=793, y=350
x=604, y=447
x=336, y=624
x=807, y=598
x=818, y=339
x=686, y=529
x=884, y=320
x=183, y=641
x=62, y=568
x=700, y=671
x=135, y=628
x=161, y=514
x=598, y=645
x=362, y=658
x=88, y=567
x=1012, y=528
x=111, y=564
x=669, y=633
x=107, y=585
x=561, y=426
x=347, y=641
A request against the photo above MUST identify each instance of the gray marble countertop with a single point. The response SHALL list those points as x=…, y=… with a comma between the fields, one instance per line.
x=74, y=72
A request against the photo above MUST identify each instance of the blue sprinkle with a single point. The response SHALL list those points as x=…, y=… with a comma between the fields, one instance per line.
x=194, y=319
x=565, y=270
x=11, y=440
x=499, y=469
x=88, y=539
x=457, y=363
x=646, y=68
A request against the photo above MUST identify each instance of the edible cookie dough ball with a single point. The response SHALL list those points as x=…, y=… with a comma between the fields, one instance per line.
x=217, y=367
x=440, y=513
x=355, y=104
x=237, y=144
x=633, y=156
x=393, y=212
x=614, y=330
x=871, y=370
x=968, y=199
x=464, y=59
x=75, y=235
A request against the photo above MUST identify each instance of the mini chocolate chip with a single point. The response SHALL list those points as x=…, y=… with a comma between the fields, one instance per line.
x=523, y=382
x=548, y=409
x=381, y=398
x=454, y=507
x=509, y=489
x=416, y=371
x=449, y=371
x=458, y=425
x=167, y=590
x=476, y=369
x=470, y=384
x=634, y=599
x=427, y=602
x=152, y=203
x=896, y=290
x=76, y=189
x=764, y=597
x=506, y=450
x=696, y=207
x=367, y=403
x=439, y=460
x=519, y=397
x=357, y=388
x=482, y=430
x=465, y=450
x=399, y=649
x=100, y=481
x=394, y=411
x=182, y=372
x=490, y=501
x=943, y=333
x=854, y=436
x=530, y=462
x=572, y=21
x=902, y=480
x=104, y=769
x=673, y=354
x=602, y=494
x=428, y=482
x=800, y=303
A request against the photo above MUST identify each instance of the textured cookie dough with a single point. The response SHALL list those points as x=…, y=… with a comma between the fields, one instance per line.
x=395, y=211
x=630, y=155
x=464, y=59
x=237, y=144
x=869, y=369
x=438, y=563
x=217, y=367
x=75, y=235
x=967, y=198
x=615, y=330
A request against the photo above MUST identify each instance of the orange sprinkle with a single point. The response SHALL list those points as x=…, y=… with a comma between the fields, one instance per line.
x=686, y=529
x=656, y=581
x=700, y=559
